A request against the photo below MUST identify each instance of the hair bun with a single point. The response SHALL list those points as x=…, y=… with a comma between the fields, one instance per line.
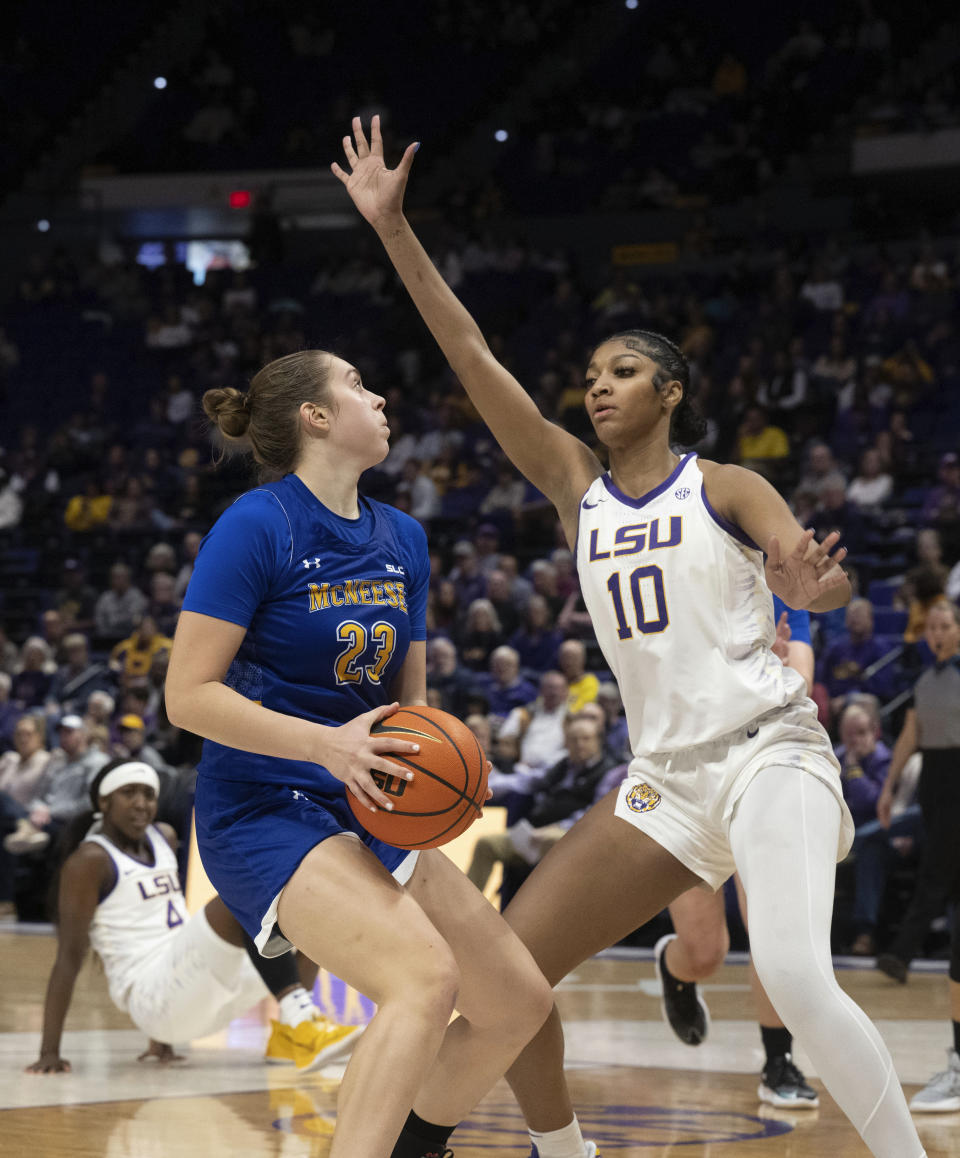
x=229, y=409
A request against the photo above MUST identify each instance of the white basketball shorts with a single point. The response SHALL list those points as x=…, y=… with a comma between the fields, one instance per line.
x=685, y=800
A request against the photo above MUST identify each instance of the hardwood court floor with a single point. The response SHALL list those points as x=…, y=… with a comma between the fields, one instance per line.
x=638, y=1091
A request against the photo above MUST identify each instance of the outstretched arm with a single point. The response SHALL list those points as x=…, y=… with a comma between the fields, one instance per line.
x=558, y=464
x=80, y=882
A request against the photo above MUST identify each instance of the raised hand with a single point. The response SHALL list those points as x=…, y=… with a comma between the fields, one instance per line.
x=375, y=190
x=352, y=754
x=809, y=571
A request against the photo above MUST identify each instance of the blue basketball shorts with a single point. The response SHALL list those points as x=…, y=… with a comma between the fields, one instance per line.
x=252, y=838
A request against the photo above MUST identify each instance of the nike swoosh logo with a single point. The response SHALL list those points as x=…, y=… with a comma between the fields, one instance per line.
x=589, y=506
x=750, y=734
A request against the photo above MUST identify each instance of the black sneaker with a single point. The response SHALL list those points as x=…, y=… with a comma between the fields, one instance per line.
x=783, y=1085
x=684, y=1010
x=893, y=967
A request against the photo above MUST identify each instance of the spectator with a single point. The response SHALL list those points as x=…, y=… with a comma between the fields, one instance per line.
x=31, y=684
x=617, y=733
x=536, y=640
x=420, y=489
x=760, y=445
x=565, y=793
x=498, y=592
x=932, y=726
x=943, y=502
x=504, y=687
x=467, y=578
x=536, y=732
x=191, y=545
x=447, y=676
x=543, y=576
x=9, y=653
x=924, y=587
x=10, y=712
x=865, y=761
x=507, y=494
x=134, y=656
x=487, y=540
x=872, y=486
x=164, y=607
x=90, y=510
x=75, y=599
x=71, y=768
x=99, y=713
x=78, y=677
x=835, y=513
x=583, y=685
x=133, y=744
x=843, y=664
x=821, y=465
x=119, y=608
x=481, y=633
x=53, y=631
x=23, y=771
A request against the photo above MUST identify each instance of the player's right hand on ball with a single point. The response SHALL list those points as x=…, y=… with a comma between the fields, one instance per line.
x=49, y=1063
x=352, y=755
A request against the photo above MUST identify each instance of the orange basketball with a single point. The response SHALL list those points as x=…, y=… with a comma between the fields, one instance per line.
x=449, y=783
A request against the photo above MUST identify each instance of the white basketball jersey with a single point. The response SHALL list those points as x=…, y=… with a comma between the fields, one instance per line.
x=681, y=609
x=140, y=913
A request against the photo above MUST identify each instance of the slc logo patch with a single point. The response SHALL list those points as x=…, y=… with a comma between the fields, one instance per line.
x=642, y=798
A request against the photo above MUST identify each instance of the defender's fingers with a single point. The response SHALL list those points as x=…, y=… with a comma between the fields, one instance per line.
x=350, y=152
x=363, y=149
x=376, y=140
x=406, y=161
x=773, y=551
x=339, y=173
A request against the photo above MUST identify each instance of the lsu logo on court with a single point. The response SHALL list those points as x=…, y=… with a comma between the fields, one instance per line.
x=642, y=798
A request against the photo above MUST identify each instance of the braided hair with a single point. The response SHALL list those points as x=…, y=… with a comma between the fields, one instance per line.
x=687, y=424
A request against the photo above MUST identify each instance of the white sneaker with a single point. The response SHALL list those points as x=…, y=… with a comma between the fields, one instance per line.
x=942, y=1093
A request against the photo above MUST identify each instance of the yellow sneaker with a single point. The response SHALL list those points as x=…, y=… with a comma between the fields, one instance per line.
x=312, y=1043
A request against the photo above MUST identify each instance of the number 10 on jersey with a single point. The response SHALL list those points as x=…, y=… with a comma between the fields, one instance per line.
x=646, y=591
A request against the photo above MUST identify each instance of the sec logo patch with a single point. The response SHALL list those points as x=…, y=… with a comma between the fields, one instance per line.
x=642, y=798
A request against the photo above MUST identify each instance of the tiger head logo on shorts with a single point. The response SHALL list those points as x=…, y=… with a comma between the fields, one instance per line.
x=642, y=798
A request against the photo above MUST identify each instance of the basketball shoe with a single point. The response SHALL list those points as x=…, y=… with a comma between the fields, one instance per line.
x=684, y=1010
x=942, y=1093
x=591, y=1152
x=313, y=1043
x=782, y=1084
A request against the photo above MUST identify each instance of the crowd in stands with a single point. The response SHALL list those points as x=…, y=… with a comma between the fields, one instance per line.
x=836, y=374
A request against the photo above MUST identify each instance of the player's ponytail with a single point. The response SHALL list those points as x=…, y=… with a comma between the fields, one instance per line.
x=229, y=410
x=687, y=424
x=266, y=420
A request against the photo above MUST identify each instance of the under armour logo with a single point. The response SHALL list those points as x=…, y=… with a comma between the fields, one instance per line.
x=298, y=795
x=308, y=563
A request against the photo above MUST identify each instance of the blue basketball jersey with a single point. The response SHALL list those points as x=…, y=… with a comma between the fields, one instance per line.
x=330, y=606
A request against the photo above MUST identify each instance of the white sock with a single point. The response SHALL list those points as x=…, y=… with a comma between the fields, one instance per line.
x=296, y=1006
x=565, y=1143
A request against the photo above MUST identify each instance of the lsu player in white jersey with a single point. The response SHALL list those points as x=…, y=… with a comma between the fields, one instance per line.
x=731, y=771
x=178, y=976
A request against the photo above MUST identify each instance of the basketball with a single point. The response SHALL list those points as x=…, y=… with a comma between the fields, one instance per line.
x=449, y=785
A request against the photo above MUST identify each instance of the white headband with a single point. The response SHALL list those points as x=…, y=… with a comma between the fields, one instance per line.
x=133, y=772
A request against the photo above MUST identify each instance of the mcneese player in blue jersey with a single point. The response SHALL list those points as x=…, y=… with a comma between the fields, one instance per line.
x=303, y=626
x=731, y=770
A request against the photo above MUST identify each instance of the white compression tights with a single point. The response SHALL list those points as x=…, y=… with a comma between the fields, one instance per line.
x=784, y=839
